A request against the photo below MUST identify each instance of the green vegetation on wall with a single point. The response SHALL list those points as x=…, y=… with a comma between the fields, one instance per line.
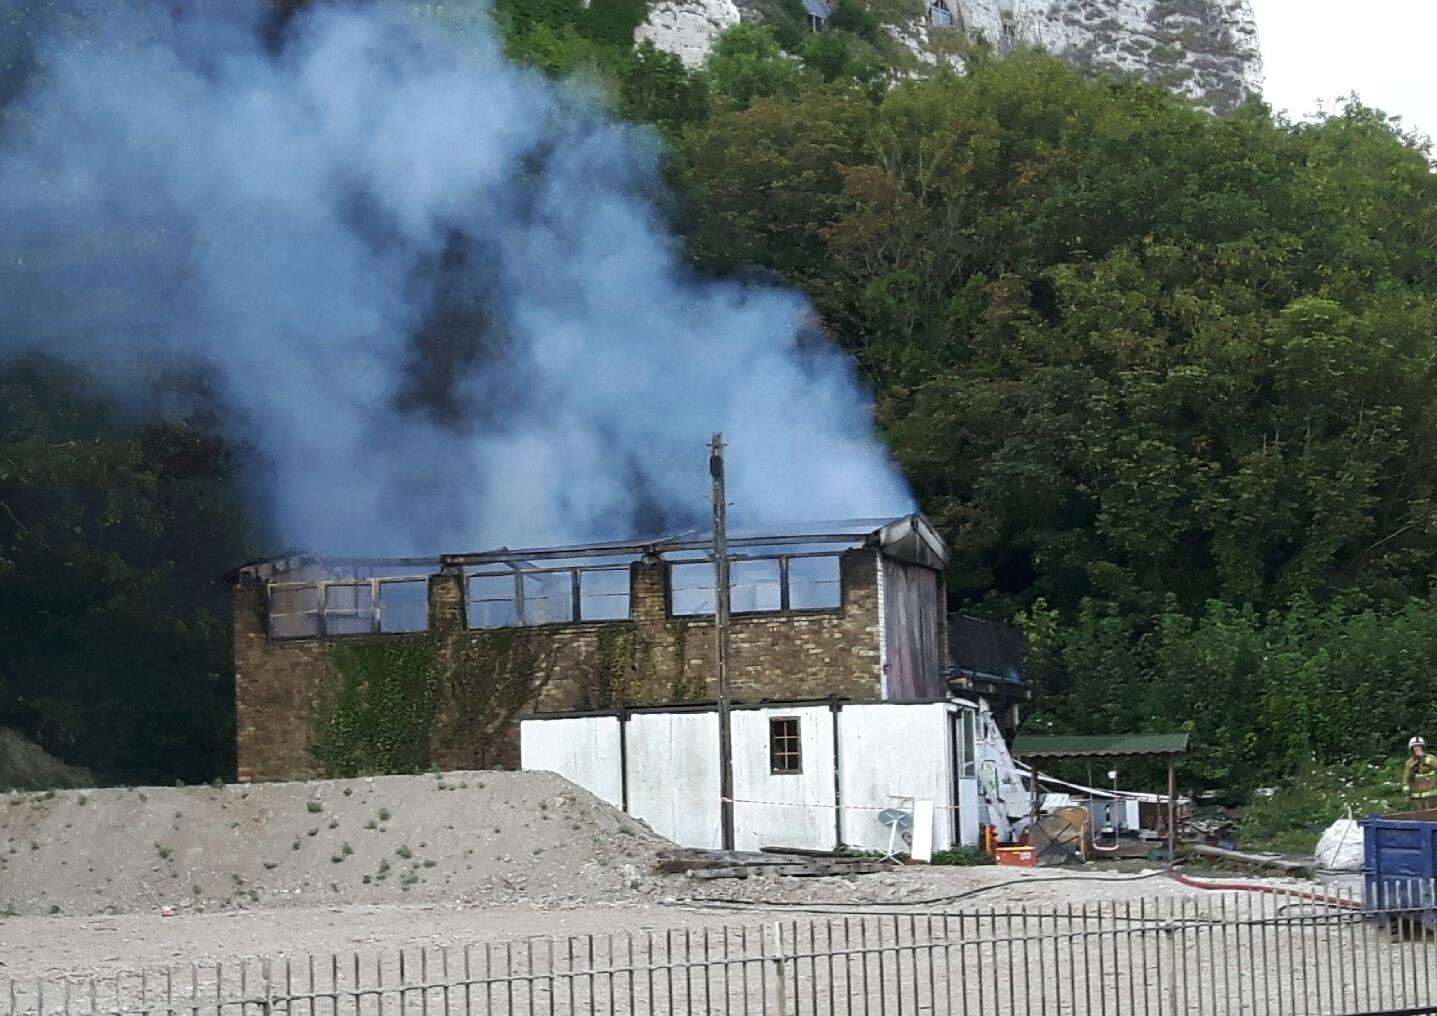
x=487, y=682
x=622, y=663
x=682, y=687
x=376, y=709
x=396, y=705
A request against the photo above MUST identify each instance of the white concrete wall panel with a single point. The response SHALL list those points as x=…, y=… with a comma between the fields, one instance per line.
x=674, y=775
x=891, y=749
x=582, y=749
x=799, y=808
x=968, y=813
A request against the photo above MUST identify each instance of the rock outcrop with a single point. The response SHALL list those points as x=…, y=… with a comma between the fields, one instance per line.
x=687, y=28
x=1204, y=49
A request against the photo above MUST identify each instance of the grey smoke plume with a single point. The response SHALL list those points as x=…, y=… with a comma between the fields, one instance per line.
x=433, y=283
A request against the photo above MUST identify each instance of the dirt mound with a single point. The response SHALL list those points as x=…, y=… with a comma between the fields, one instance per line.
x=480, y=837
x=24, y=765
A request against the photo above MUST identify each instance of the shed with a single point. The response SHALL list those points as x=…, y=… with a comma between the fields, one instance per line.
x=1166, y=746
x=819, y=12
x=810, y=774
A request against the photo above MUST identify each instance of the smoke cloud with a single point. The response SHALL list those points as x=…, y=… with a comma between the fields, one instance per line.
x=433, y=285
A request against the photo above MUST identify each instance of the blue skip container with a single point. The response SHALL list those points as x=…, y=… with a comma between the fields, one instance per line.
x=1399, y=869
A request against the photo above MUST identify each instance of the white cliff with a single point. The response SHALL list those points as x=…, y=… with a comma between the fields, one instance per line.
x=687, y=28
x=1204, y=49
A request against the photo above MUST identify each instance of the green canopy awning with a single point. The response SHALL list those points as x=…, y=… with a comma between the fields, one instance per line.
x=1100, y=745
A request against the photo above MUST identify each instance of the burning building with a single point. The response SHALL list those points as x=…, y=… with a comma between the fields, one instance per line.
x=852, y=609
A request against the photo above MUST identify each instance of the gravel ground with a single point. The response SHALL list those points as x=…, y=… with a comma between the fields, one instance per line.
x=486, y=838
x=103, y=881
x=45, y=946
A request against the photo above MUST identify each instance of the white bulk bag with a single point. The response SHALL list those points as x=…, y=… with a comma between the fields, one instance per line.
x=1340, y=848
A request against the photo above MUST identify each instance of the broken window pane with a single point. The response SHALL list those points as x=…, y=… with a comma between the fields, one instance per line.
x=404, y=606
x=548, y=597
x=754, y=586
x=348, y=610
x=493, y=601
x=814, y=583
x=691, y=588
x=293, y=612
x=604, y=595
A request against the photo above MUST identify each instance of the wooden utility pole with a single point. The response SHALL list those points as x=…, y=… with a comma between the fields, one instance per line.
x=721, y=605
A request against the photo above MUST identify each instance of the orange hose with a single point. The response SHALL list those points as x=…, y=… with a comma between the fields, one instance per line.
x=1257, y=887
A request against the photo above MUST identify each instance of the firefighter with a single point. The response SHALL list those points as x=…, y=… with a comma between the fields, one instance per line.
x=1419, y=775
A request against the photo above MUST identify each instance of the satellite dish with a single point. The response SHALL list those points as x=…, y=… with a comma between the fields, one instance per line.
x=896, y=817
x=899, y=822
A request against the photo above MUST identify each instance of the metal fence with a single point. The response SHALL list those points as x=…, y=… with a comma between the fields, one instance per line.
x=1287, y=953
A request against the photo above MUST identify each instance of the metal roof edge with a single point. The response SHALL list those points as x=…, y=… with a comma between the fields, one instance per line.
x=704, y=707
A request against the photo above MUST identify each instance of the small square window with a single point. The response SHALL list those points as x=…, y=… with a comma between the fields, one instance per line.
x=493, y=601
x=293, y=611
x=604, y=594
x=785, y=750
x=404, y=605
x=548, y=598
x=754, y=586
x=814, y=583
x=691, y=588
x=348, y=609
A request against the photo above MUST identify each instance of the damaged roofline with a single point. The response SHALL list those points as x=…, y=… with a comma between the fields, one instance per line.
x=909, y=538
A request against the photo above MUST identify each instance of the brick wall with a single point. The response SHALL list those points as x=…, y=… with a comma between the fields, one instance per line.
x=649, y=659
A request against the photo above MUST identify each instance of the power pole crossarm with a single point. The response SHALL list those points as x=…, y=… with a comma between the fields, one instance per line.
x=721, y=607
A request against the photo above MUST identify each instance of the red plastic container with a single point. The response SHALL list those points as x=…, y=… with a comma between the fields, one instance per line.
x=1017, y=857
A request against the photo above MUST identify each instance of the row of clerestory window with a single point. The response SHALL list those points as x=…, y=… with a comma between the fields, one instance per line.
x=516, y=596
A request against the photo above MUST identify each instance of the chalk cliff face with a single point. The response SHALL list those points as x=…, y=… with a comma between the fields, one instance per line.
x=687, y=28
x=1204, y=49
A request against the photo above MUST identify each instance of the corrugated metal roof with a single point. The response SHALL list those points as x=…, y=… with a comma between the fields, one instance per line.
x=818, y=8
x=1089, y=746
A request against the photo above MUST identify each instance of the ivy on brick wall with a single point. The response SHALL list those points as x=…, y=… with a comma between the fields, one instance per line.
x=401, y=706
x=683, y=687
x=377, y=707
x=622, y=665
x=485, y=685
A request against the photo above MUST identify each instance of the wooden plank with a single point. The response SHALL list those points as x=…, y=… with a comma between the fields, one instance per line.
x=795, y=870
x=1254, y=860
x=673, y=862
x=805, y=852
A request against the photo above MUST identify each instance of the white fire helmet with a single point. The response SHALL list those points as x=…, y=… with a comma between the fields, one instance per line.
x=1416, y=742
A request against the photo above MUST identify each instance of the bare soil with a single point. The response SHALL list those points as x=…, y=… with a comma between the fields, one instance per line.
x=463, y=837
x=115, y=880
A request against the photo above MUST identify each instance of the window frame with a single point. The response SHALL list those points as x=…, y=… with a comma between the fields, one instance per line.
x=576, y=595
x=321, y=588
x=785, y=608
x=785, y=749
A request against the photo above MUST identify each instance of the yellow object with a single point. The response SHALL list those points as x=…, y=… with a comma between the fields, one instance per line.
x=1419, y=777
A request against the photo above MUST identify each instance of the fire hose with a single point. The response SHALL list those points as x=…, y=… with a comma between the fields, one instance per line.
x=1258, y=887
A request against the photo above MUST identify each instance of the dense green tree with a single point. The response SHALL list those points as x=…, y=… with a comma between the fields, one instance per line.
x=747, y=64
x=1163, y=379
x=115, y=535
x=1130, y=354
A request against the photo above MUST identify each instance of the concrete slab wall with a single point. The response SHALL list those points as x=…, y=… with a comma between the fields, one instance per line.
x=674, y=775
x=582, y=749
x=886, y=752
x=798, y=808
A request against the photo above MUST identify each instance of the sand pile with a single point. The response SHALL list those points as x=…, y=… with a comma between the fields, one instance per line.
x=478, y=837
